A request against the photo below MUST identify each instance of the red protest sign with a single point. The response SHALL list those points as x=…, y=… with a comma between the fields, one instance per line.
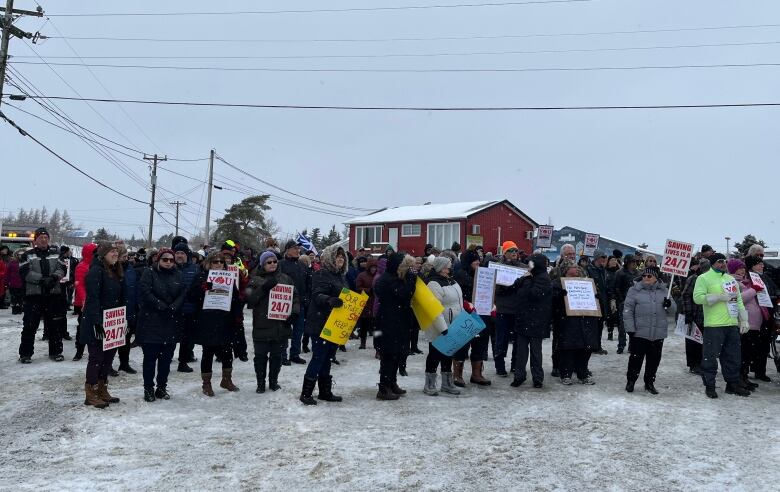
x=677, y=257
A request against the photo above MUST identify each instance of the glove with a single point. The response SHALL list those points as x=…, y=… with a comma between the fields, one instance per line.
x=270, y=284
x=517, y=283
x=469, y=307
x=758, y=288
x=716, y=298
x=335, y=302
x=100, y=333
x=564, y=292
x=613, y=306
x=667, y=302
x=744, y=327
x=206, y=286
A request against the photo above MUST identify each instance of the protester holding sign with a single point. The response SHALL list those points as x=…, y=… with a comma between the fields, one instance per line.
x=271, y=294
x=449, y=294
x=104, y=290
x=479, y=344
x=598, y=272
x=644, y=315
x=694, y=314
x=160, y=322
x=762, y=338
x=365, y=285
x=327, y=284
x=394, y=321
x=214, y=329
x=506, y=307
x=534, y=303
x=577, y=335
x=725, y=319
x=756, y=314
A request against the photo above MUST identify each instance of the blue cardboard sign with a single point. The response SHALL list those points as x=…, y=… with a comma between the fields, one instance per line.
x=462, y=329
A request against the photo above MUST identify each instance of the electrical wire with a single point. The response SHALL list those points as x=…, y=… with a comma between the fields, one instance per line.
x=409, y=55
x=423, y=108
x=415, y=39
x=403, y=70
x=318, y=11
x=58, y=156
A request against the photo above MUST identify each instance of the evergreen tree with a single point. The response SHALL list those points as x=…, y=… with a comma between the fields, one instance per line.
x=65, y=223
x=55, y=221
x=746, y=243
x=44, y=218
x=316, y=238
x=102, y=235
x=333, y=237
x=245, y=223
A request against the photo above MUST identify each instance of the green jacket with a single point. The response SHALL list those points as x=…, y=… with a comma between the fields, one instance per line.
x=715, y=315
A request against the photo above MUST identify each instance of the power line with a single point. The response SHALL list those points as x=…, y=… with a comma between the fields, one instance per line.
x=291, y=192
x=319, y=11
x=408, y=55
x=414, y=39
x=422, y=108
x=26, y=134
x=402, y=70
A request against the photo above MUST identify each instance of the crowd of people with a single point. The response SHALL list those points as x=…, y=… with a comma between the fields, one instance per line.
x=163, y=293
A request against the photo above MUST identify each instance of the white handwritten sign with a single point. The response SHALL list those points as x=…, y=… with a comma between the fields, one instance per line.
x=580, y=297
x=484, y=287
x=506, y=274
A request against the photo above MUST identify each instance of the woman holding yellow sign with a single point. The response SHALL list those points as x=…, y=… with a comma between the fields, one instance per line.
x=327, y=285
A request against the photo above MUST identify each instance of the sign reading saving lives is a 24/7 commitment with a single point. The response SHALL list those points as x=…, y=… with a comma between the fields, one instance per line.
x=677, y=257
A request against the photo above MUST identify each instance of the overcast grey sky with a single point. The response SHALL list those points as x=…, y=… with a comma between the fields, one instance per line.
x=636, y=175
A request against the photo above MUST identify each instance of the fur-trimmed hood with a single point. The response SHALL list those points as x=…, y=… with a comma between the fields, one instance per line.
x=328, y=259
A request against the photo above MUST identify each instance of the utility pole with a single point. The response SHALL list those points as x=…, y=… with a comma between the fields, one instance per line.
x=154, y=160
x=8, y=31
x=208, y=200
x=178, y=203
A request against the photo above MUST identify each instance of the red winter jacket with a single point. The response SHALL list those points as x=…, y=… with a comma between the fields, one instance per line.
x=80, y=295
x=3, y=280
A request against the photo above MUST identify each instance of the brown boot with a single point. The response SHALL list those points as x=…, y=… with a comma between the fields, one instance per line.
x=92, y=397
x=206, y=377
x=457, y=373
x=102, y=392
x=476, y=374
x=227, y=382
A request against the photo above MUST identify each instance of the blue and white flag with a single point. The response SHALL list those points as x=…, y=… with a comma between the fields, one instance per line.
x=306, y=243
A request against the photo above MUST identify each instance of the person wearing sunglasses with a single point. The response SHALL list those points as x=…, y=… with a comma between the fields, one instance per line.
x=506, y=309
x=644, y=317
x=269, y=335
x=725, y=319
x=213, y=329
x=160, y=322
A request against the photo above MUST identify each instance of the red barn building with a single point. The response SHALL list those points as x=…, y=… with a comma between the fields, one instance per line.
x=409, y=229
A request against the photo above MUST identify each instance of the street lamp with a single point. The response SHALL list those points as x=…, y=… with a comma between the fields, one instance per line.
x=727, y=246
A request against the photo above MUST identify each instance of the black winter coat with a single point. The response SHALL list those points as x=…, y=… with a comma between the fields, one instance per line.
x=325, y=284
x=213, y=327
x=534, y=305
x=624, y=280
x=162, y=296
x=264, y=329
x=574, y=332
x=506, y=301
x=298, y=273
x=395, y=319
x=104, y=291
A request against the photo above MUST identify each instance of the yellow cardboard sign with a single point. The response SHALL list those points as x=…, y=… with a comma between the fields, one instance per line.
x=342, y=320
x=425, y=305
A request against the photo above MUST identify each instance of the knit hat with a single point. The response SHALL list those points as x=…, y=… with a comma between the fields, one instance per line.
x=228, y=245
x=181, y=246
x=706, y=247
x=161, y=252
x=104, y=247
x=290, y=244
x=539, y=262
x=715, y=257
x=440, y=263
x=469, y=257
x=267, y=255
x=64, y=249
x=39, y=231
x=599, y=254
x=651, y=271
x=617, y=253
x=507, y=245
x=752, y=261
x=734, y=264
x=455, y=247
x=178, y=240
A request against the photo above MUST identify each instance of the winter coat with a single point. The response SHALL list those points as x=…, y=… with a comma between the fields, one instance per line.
x=624, y=280
x=381, y=267
x=12, y=277
x=299, y=275
x=506, y=296
x=327, y=283
x=755, y=315
x=465, y=278
x=213, y=327
x=599, y=276
x=264, y=329
x=162, y=296
x=104, y=291
x=365, y=283
x=693, y=312
x=37, y=264
x=80, y=286
x=716, y=315
x=395, y=319
x=131, y=292
x=643, y=312
x=574, y=332
x=188, y=271
x=3, y=282
x=450, y=295
x=534, y=305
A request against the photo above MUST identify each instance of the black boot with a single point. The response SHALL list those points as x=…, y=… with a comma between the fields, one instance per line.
x=307, y=390
x=162, y=393
x=736, y=389
x=183, y=367
x=630, y=386
x=273, y=375
x=79, y=352
x=126, y=368
x=149, y=394
x=650, y=388
x=325, y=384
x=386, y=393
x=402, y=370
x=710, y=392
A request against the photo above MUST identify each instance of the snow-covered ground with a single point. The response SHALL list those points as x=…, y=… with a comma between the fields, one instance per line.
x=500, y=438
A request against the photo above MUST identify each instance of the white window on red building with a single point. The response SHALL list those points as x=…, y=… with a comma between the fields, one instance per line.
x=365, y=235
x=443, y=235
x=411, y=230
